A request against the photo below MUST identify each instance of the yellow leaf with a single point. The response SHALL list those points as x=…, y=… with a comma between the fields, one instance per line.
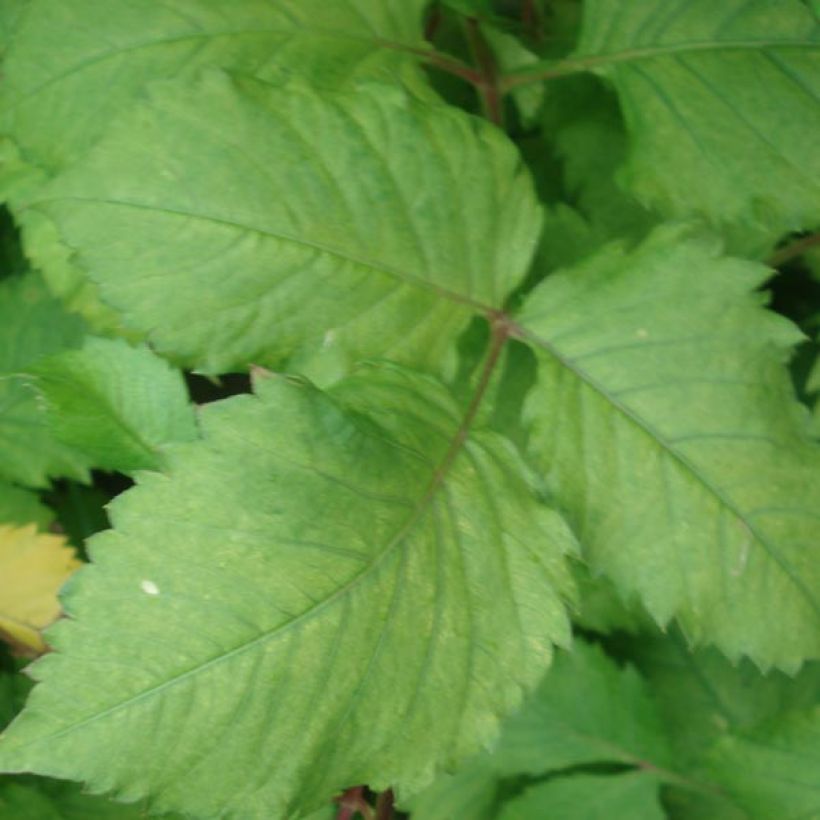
x=33, y=567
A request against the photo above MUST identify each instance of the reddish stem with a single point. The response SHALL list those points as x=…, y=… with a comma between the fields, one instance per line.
x=384, y=805
x=351, y=803
x=488, y=87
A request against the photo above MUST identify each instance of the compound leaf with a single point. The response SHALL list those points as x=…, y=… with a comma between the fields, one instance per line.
x=370, y=575
x=117, y=404
x=252, y=245
x=668, y=428
x=721, y=101
x=33, y=566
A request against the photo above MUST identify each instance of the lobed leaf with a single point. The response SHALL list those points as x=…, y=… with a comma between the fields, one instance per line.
x=371, y=577
x=668, y=428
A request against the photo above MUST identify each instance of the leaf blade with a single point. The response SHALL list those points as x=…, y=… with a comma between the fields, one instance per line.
x=331, y=600
x=386, y=267
x=669, y=497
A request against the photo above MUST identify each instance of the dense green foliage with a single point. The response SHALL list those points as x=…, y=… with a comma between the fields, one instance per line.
x=518, y=514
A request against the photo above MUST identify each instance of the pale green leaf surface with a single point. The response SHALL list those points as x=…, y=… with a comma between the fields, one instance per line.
x=32, y=325
x=10, y=13
x=721, y=101
x=361, y=586
x=70, y=69
x=281, y=252
x=586, y=710
x=632, y=796
x=117, y=404
x=668, y=428
x=21, y=506
x=773, y=772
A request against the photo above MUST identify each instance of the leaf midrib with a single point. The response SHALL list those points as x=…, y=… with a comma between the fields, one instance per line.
x=589, y=62
x=659, y=440
x=439, y=474
x=380, y=268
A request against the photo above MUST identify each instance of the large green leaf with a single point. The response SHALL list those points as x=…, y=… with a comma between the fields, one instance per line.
x=721, y=100
x=632, y=796
x=370, y=576
x=117, y=404
x=71, y=69
x=669, y=430
x=345, y=223
x=32, y=325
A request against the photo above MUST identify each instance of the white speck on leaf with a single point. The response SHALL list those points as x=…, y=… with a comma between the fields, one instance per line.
x=149, y=588
x=642, y=333
x=330, y=337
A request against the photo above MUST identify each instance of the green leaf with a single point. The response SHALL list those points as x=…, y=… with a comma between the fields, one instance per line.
x=253, y=245
x=118, y=405
x=32, y=325
x=30, y=798
x=472, y=792
x=587, y=710
x=70, y=70
x=10, y=13
x=775, y=771
x=721, y=101
x=703, y=697
x=632, y=796
x=20, y=506
x=601, y=608
x=582, y=115
x=668, y=428
x=371, y=575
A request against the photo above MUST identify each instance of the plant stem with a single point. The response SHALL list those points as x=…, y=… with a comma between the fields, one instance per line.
x=793, y=249
x=384, y=805
x=437, y=59
x=488, y=88
x=530, y=19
